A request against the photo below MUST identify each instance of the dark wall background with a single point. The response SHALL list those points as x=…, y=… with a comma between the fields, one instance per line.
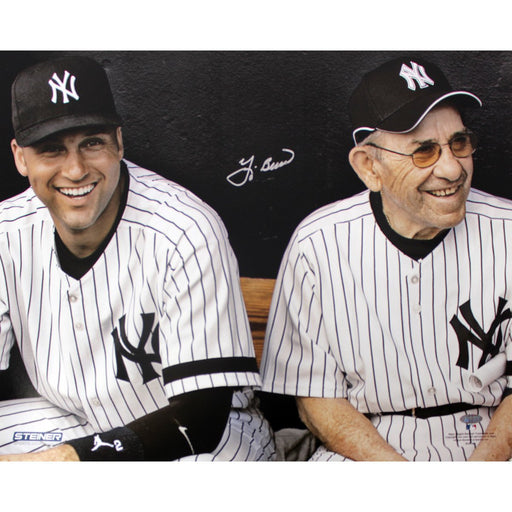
x=194, y=116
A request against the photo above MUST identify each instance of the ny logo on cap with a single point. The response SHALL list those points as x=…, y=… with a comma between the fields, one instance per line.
x=61, y=85
x=416, y=73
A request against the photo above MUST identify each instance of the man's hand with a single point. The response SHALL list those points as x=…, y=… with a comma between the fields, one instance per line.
x=497, y=441
x=61, y=453
x=345, y=430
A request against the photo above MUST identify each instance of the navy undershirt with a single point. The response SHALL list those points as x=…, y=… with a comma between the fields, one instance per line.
x=414, y=248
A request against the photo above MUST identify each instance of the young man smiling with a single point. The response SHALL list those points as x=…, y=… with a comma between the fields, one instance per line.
x=122, y=292
x=76, y=175
x=391, y=320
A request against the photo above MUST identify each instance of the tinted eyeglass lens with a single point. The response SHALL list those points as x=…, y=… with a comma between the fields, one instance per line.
x=426, y=155
x=463, y=145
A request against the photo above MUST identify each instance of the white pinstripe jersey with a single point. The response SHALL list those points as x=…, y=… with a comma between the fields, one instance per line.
x=159, y=313
x=354, y=317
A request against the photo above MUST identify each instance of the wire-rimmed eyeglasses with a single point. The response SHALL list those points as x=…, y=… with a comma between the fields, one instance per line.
x=428, y=153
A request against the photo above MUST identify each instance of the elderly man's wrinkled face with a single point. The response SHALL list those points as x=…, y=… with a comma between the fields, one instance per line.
x=421, y=202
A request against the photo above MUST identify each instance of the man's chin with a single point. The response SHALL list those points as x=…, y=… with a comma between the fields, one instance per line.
x=451, y=220
x=76, y=227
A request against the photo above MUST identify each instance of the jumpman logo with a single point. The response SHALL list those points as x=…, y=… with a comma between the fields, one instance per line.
x=98, y=443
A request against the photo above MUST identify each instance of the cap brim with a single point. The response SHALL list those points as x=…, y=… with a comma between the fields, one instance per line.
x=407, y=118
x=41, y=131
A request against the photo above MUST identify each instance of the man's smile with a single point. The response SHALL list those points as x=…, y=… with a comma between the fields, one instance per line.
x=77, y=191
x=445, y=192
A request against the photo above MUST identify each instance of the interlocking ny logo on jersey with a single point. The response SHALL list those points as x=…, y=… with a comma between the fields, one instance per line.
x=61, y=85
x=476, y=335
x=415, y=75
x=137, y=353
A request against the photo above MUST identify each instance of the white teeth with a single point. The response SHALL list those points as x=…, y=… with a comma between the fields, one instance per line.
x=445, y=192
x=77, y=192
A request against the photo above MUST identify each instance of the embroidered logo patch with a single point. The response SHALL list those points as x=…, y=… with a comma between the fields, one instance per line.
x=99, y=443
x=62, y=85
x=137, y=353
x=489, y=342
x=415, y=74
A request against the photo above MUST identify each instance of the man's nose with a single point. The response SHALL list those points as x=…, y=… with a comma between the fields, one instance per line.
x=74, y=167
x=448, y=167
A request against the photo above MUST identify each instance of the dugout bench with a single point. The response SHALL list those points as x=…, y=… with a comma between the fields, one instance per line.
x=257, y=294
x=280, y=410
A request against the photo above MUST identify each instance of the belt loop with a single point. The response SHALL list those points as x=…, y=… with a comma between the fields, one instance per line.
x=413, y=412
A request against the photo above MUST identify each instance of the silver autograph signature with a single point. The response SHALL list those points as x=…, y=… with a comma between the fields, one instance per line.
x=245, y=174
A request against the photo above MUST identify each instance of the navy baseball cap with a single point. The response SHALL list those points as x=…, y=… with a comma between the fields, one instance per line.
x=59, y=94
x=397, y=95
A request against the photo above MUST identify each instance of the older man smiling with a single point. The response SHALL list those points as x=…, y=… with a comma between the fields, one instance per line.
x=389, y=304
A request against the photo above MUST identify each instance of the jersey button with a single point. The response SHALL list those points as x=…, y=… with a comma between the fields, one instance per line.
x=79, y=326
x=417, y=309
x=432, y=390
x=95, y=402
x=73, y=298
x=415, y=279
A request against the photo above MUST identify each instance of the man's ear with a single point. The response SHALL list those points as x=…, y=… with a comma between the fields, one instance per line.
x=119, y=136
x=362, y=159
x=19, y=158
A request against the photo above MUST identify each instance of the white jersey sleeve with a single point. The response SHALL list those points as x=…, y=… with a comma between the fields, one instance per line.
x=206, y=340
x=297, y=359
x=7, y=337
